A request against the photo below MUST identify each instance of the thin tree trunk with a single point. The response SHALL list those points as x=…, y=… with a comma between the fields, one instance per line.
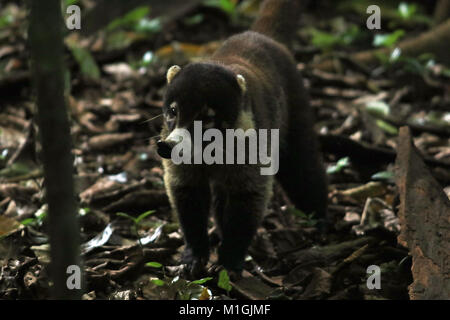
x=46, y=40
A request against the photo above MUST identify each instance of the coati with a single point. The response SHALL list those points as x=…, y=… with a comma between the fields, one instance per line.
x=251, y=81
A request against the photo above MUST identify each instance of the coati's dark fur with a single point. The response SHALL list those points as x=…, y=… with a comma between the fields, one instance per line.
x=273, y=97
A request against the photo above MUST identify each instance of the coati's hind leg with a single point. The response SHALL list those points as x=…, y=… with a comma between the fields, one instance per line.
x=301, y=172
x=191, y=201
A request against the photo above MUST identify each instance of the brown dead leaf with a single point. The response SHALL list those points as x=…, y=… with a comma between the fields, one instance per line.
x=8, y=226
x=105, y=141
x=361, y=193
x=319, y=287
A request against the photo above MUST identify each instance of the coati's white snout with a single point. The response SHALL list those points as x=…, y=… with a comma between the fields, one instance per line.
x=176, y=136
x=166, y=146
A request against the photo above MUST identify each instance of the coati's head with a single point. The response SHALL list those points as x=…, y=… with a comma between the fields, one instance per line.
x=205, y=92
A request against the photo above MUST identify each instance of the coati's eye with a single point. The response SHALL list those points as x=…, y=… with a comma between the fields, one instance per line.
x=172, y=111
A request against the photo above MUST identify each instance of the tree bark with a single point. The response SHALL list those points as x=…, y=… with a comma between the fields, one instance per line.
x=424, y=215
x=46, y=42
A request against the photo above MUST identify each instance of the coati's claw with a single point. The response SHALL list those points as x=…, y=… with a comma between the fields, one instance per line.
x=195, y=269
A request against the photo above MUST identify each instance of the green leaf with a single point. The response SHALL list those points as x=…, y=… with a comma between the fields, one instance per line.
x=4, y=153
x=158, y=282
x=70, y=2
x=389, y=39
x=143, y=215
x=396, y=55
x=28, y=221
x=378, y=108
x=201, y=281
x=326, y=40
x=297, y=212
x=387, y=127
x=341, y=164
x=122, y=214
x=413, y=65
x=228, y=6
x=154, y=264
x=323, y=40
x=406, y=10
x=446, y=72
x=224, y=281
x=131, y=19
x=148, y=25
x=147, y=59
x=383, y=175
x=16, y=169
x=6, y=19
x=195, y=19
x=41, y=214
x=83, y=211
x=88, y=66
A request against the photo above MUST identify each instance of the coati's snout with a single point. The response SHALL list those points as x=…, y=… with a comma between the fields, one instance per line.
x=165, y=146
x=164, y=149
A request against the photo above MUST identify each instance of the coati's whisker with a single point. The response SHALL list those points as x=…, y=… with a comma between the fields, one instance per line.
x=147, y=138
x=148, y=120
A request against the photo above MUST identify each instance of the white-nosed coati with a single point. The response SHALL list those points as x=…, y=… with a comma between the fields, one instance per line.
x=250, y=82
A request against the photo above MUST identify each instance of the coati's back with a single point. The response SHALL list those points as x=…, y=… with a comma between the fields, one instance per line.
x=280, y=99
x=262, y=55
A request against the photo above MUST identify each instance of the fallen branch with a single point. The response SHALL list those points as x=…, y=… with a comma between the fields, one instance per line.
x=432, y=41
x=365, y=153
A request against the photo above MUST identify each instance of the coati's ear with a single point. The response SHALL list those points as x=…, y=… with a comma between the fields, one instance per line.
x=241, y=82
x=173, y=70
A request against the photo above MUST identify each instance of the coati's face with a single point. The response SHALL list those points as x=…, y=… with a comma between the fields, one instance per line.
x=204, y=92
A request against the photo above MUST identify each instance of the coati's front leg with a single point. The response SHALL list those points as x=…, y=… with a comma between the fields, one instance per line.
x=189, y=196
x=238, y=220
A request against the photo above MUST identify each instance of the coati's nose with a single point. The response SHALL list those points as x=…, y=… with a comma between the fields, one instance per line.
x=165, y=148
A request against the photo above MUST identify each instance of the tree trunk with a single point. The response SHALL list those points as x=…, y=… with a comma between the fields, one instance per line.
x=46, y=41
x=424, y=215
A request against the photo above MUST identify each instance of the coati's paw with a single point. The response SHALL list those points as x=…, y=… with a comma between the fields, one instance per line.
x=194, y=267
x=194, y=270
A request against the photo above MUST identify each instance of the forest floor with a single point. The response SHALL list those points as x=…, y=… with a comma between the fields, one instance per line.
x=132, y=243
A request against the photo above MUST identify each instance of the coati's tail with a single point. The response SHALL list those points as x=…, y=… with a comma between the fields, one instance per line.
x=278, y=19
